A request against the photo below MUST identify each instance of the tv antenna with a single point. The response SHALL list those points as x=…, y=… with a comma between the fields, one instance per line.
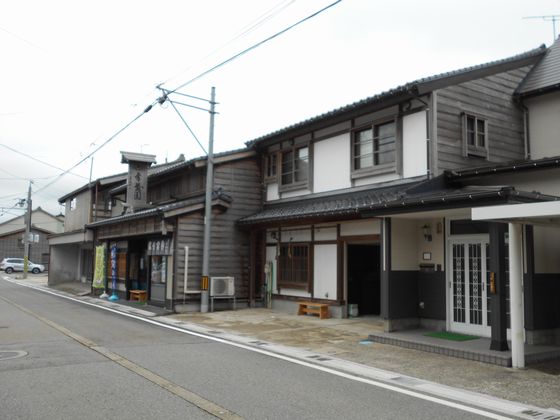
x=548, y=18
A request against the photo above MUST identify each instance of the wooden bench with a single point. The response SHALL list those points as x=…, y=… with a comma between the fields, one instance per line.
x=138, y=295
x=321, y=309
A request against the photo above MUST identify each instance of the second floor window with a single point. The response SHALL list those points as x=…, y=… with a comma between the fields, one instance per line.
x=270, y=166
x=475, y=136
x=295, y=166
x=375, y=146
x=73, y=204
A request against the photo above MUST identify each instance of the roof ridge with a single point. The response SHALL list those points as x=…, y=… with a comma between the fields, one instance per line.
x=402, y=89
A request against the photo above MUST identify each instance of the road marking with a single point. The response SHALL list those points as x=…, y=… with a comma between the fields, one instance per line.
x=293, y=360
x=185, y=394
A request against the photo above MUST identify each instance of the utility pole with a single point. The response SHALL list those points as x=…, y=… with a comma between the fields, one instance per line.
x=204, y=295
x=27, y=233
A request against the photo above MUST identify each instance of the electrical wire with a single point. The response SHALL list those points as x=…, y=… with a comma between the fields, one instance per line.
x=254, y=46
x=37, y=160
x=250, y=27
x=148, y=108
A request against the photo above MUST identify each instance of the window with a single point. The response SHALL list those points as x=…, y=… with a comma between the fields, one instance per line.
x=73, y=203
x=475, y=136
x=375, y=147
x=293, y=263
x=295, y=166
x=270, y=167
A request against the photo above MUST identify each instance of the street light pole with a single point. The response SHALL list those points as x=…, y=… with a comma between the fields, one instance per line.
x=204, y=295
x=27, y=233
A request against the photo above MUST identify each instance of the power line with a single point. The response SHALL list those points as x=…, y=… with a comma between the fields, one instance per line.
x=254, y=46
x=37, y=160
x=251, y=26
x=148, y=108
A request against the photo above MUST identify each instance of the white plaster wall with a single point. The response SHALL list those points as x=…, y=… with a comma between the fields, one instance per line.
x=415, y=155
x=358, y=182
x=295, y=193
x=544, y=125
x=547, y=249
x=331, y=163
x=404, y=244
x=435, y=246
x=300, y=235
x=325, y=271
x=360, y=227
x=272, y=192
x=327, y=233
x=77, y=218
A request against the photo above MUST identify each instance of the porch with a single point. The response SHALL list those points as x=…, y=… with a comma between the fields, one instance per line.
x=477, y=349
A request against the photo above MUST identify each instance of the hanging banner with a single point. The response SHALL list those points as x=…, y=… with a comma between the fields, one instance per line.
x=114, y=268
x=99, y=273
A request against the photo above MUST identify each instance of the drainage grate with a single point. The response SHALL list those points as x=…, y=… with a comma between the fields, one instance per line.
x=540, y=415
x=407, y=381
x=259, y=343
x=320, y=358
x=14, y=354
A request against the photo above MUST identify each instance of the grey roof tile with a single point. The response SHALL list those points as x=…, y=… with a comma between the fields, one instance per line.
x=534, y=53
x=545, y=74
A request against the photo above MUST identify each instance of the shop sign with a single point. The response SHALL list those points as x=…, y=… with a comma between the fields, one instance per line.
x=160, y=247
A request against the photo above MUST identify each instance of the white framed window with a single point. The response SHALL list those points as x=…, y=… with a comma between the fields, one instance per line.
x=73, y=204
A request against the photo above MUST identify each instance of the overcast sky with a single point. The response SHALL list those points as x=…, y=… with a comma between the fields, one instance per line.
x=75, y=72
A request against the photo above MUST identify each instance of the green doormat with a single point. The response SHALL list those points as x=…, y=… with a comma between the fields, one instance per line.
x=444, y=335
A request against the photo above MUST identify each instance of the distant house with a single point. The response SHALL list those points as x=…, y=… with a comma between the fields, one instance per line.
x=43, y=224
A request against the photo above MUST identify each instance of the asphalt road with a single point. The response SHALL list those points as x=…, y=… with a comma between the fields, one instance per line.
x=81, y=362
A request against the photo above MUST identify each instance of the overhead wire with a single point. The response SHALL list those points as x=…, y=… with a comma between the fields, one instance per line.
x=148, y=108
x=250, y=27
x=254, y=46
x=221, y=64
x=37, y=160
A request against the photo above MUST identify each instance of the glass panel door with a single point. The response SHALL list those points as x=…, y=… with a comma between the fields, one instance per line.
x=468, y=286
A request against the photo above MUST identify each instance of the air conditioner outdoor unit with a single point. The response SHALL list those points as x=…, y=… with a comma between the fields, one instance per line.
x=222, y=286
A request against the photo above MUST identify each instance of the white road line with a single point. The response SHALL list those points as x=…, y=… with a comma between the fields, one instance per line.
x=372, y=382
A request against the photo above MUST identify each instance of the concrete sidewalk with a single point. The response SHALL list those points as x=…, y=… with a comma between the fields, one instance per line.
x=347, y=339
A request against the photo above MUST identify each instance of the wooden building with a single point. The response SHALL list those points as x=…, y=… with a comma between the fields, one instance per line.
x=158, y=243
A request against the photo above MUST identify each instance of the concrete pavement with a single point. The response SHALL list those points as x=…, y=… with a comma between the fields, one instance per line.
x=343, y=343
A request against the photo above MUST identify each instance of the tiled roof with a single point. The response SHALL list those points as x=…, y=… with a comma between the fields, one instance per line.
x=408, y=87
x=514, y=166
x=336, y=205
x=392, y=200
x=545, y=74
x=140, y=214
x=121, y=177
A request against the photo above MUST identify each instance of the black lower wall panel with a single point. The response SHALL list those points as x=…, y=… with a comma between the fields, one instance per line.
x=546, y=301
x=431, y=291
x=403, y=294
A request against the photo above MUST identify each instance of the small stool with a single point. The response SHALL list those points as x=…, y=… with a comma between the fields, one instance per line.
x=138, y=295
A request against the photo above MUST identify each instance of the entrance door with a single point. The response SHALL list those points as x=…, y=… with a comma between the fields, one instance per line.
x=468, y=286
x=363, y=273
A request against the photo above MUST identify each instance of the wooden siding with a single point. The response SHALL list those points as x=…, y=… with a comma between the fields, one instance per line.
x=491, y=98
x=230, y=246
x=177, y=186
x=147, y=226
